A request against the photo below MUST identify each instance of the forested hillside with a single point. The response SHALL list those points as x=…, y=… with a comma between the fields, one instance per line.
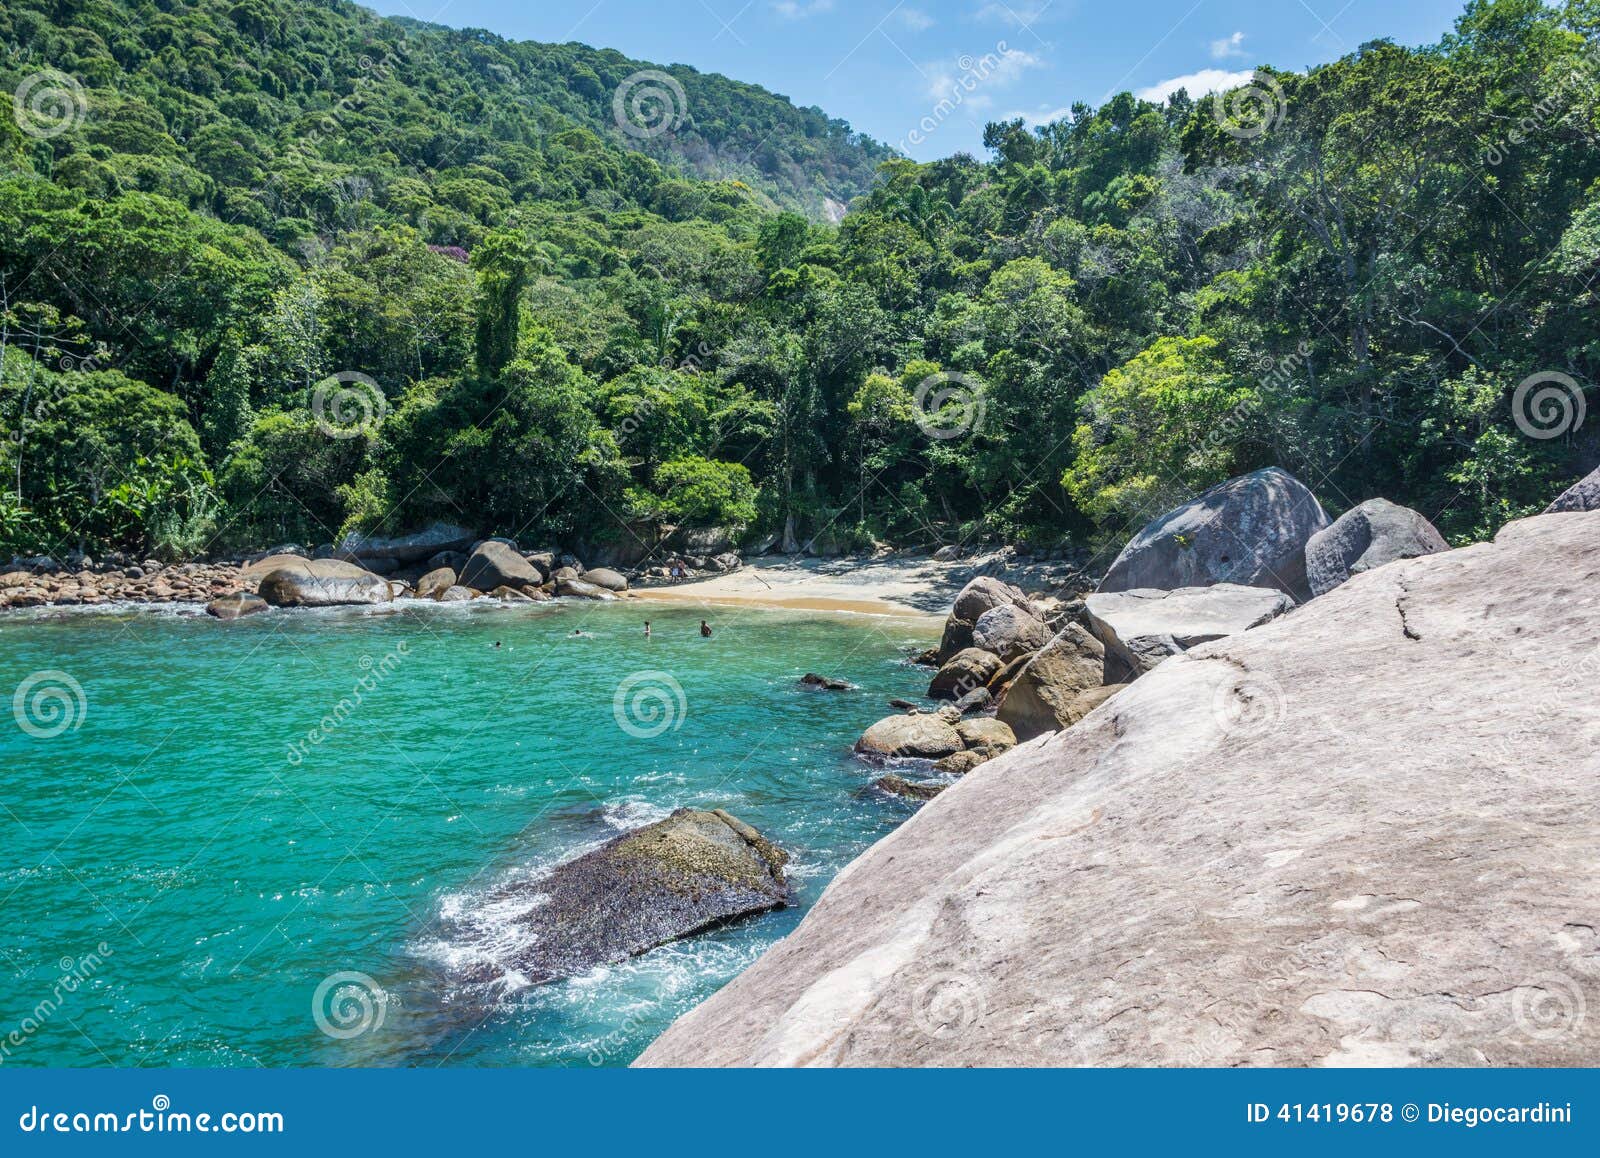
x=275, y=270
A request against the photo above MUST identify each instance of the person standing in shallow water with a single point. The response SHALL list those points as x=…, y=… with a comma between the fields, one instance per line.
x=705, y=629
x=647, y=629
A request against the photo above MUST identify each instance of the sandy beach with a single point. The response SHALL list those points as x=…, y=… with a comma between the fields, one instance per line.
x=912, y=585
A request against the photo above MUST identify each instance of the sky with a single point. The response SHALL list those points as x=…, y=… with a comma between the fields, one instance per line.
x=926, y=75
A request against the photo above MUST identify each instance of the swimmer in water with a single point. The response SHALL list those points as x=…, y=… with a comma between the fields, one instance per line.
x=705, y=629
x=497, y=645
x=647, y=629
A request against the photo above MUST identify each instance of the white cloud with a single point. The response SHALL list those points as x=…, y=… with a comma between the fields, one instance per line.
x=1197, y=84
x=1040, y=116
x=1016, y=13
x=973, y=74
x=914, y=18
x=795, y=10
x=1228, y=46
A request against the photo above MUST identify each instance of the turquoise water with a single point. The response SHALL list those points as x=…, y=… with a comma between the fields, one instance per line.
x=208, y=837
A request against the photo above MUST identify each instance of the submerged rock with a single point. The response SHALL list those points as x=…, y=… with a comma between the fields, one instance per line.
x=909, y=789
x=236, y=606
x=667, y=880
x=1143, y=627
x=827, y=683
x=323, y=583
x=1368, y=536
x=1362, y=835
x=1250, y=530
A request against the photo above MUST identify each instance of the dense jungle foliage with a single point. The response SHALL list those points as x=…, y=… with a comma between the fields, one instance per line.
x=276, y=270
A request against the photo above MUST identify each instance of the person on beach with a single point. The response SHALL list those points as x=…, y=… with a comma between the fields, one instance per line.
x=705, y=629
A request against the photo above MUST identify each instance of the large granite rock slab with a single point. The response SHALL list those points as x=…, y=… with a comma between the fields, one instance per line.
x=1583, y=495
x=411, y=548
x=1363, y=834
x=1045, y=695
x=667, y=880
x=1367, y=536
x=1141, y=628
x=1250, y=530
x=322, y=583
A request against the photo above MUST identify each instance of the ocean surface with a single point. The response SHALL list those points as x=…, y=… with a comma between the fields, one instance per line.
x=279, y=842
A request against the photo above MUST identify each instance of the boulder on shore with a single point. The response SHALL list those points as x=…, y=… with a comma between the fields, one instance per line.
x=1141, y=628
x=671, y=879
x=323, y=583
x=920, y=737
x=982, y=594
x=581, y=589
x=1250, y=530
x=966, y=671
x=495, y=563
x=1044, y=695
x=435, y=583
x=1009, y=631
x=1361, y=835
x=606, y=578
x=1368, y=536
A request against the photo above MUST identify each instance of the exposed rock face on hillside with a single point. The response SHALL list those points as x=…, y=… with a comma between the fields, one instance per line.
x=1364, y=833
